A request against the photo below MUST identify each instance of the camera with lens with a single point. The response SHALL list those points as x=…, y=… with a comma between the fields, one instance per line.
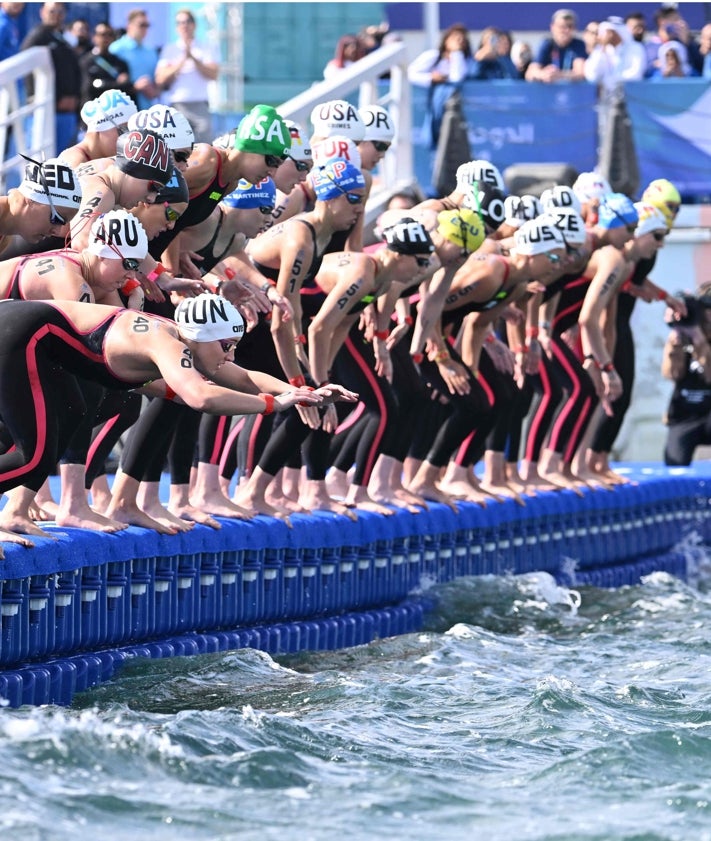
x=695, y=305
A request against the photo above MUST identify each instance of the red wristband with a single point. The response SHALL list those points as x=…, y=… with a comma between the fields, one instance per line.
x=417, y=358
x=382, y=334
x=300, y=339
x=169, y=393
x=532, y=332
x=269, y=400
x=229, y=273
x=130, y=285
x=662, y=295
x=157, y=272
x=491, y=338
x=409, y=320
x=297, y=382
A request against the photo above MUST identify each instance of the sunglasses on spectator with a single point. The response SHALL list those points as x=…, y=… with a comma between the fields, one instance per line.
x=130, y=264
x=171, y=214
x=55, y=218
x=658, y=236
x=300, y=166
x=144, y=24
x=228, y=347
x=380, y=145
x=181, y=157
x=274, y=161
x=266, y=209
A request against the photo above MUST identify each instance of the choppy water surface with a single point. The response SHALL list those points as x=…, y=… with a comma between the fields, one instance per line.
x=517, y=714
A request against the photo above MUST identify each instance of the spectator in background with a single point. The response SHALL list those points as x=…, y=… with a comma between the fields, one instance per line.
x=372, y=37
x=562, y=56
x=184, y=70
x=705, y=51
x=348, y=51
x=617, y=58
x=141, y=60
x=522, y=56
x=78, y=36
x=637, y=25
x=492, y=59
x=672, y=62
x=671, y=26
x=590, y=35
x=9, y=30
x=67, y=75
x=442, y=70
x=102, y=70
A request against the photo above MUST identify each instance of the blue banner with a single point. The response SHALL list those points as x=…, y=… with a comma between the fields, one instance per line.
x=512, y=122
x=671, y=124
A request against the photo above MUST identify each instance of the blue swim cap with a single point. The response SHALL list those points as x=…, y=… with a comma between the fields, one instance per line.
x=616, y=211
x=336, y=177
x=248, y=195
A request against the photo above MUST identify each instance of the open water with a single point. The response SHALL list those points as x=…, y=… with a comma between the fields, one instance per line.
x=516, y=714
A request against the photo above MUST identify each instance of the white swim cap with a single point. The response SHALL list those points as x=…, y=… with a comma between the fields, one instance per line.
x=378, y=123
x=518, y=209
x=52, y=178
x=560, y=196
x=117, y=235
x=209, y=318
x=112, y=109
x=337, y=146
x=590, y=186
x=483, y=172
x=570, y=223
x=538, y=236
x=168, y=123
x=651, y=219
x=337, y=116
x=300, y=146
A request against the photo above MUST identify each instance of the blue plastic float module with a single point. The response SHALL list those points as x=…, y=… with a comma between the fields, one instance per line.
x=86, y=593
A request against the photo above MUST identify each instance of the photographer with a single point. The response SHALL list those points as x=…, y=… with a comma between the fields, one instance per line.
x=687, y=361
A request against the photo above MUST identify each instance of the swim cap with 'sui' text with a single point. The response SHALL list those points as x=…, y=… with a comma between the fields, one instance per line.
x=143, y=154
x=570, y=223
x=337, y=117
x=300, y=147
x=378, y=123
x=166, y=122
x=560, y=196
x=336, y=178
x=650, y=219
x=117, y=234
x=408, y=236
x=479, y=172
x=175, y=191
x=248, y=195
x=337, y=146
x=519, y=209
x=463, y=227
x=51, y=179
x=263, y=132
x=538, y=236
x=112, y=109
x=209, y=318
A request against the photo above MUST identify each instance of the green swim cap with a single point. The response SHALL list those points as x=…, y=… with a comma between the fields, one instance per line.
x=263, y=132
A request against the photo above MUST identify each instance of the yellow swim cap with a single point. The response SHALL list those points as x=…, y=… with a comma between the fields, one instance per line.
x=463, y=227
x=665, y=196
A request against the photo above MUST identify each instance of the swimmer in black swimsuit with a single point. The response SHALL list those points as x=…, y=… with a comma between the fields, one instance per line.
x=45, y=347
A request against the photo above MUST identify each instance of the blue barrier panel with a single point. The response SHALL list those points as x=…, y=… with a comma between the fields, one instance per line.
x=118, y=602
x=67, y=607
x=231, y=587
x=143, y=624
x=92, y=612
x=292, y=592
x=273, y=609
x=40, y=615
x=165, y=589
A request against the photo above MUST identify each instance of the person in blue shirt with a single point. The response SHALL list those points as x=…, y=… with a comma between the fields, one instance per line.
x=9, y=29
x=141, y=60
x=492, y=59
x=562, y=56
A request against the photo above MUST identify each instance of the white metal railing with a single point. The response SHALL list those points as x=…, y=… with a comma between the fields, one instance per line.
x=396, y=170
x=31, y=123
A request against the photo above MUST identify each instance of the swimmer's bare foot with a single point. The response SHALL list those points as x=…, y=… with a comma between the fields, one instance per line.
x=315, y=497
x=273, y=496
x=559, y=480
x=21, y=524
x=431, y=492
x=502, y=489
x=132, y=515
x=359, y=496
x=461, y=489
x=84, y=517
x=209, y=504
x=337, y=483
x=192, y=514
x=11, y=537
